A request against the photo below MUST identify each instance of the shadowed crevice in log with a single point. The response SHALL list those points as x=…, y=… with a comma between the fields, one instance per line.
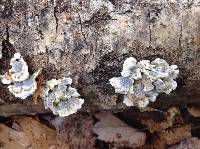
x=178, y=98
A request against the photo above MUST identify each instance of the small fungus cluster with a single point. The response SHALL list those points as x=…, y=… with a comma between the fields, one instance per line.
x=62, y=99
x=57, y=94
x=21, y=84
x=141, y=82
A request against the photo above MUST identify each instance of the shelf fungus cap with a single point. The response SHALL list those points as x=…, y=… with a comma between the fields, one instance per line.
x=141, y=82
x=24, y=88
x=61, y=98
x=22, y=85
x=127, y=101
x=19, y=71
x=130, y=69
x=121, y=84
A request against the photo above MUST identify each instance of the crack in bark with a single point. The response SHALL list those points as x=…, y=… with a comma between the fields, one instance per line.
x=55, y=16
x=180, y=37
x=125, y=12
x=98, y=18
x=81, y=24
x=7, y=33
x=7, y=51
x=149, y=26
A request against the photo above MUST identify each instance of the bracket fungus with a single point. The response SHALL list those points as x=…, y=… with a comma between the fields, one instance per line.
x=21, y=84
x=60, y=97
x=141, y=82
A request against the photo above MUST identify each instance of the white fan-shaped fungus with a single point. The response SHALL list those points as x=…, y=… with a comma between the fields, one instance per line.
x=19, y=71
x=23, y=84
x=141, y=82
x=62, y=99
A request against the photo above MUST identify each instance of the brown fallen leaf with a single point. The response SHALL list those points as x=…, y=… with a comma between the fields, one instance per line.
x=194, y=111
x=190, y=143
x=16, y=126
x=10, y=138
x=170, y=117
x=111, y=129
x=75, y=130
x=175, y=135
x=170, y=131
x=34, y=135
x=168, y=137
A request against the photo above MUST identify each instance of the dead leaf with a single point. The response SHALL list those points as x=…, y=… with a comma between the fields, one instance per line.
x=16, y=126
x=194, y=111
x=175, y=135
x=111, y=129
x=191, y=143
x=10, y=138
x=34, y=135
x=75, y=130
x=160, y=126
x=168, y=137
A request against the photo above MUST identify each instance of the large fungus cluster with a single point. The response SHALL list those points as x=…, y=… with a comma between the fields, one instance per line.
x=141, y=82
x=21, y=84
x=61, y=98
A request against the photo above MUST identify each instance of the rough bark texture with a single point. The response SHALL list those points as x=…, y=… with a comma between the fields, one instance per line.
x=88, y=40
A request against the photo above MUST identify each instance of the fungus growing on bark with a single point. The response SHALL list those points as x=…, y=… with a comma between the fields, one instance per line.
x=61, y=98
x=141, y=82
x=23, y=85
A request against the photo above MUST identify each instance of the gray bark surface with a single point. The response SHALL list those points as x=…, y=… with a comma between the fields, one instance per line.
x=88, y=40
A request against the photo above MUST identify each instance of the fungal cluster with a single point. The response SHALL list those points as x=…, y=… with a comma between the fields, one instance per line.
x=60, y=97
x=141, y=82
x=21, y=84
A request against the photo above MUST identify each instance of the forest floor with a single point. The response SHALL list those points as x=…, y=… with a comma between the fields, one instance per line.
x=176, y=128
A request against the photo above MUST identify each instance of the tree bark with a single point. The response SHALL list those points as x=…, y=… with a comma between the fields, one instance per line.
x=89, y=40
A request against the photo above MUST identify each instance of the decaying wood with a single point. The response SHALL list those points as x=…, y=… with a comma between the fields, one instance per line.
x=164, y=102
x=89, y=40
